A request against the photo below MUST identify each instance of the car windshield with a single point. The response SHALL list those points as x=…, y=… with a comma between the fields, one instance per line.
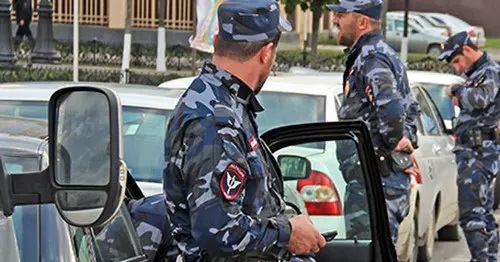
x=143, y=142
x=143, y=130
x=28, y=109
x=288, y=108
x=441, y=99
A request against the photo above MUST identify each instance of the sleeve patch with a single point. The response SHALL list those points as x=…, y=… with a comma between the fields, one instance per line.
x=232, y=181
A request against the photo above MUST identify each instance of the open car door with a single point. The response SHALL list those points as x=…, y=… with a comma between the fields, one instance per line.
x=324, y=146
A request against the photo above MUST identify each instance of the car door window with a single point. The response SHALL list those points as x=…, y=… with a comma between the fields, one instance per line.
x=400, y=26
x=435, y=110
x=117, y=241
x=428, y=122
x=389, y=26
x=335, y=194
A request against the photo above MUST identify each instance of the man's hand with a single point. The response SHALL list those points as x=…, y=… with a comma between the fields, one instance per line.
x=404, y=144
x=304, y=238
x=450, y=94
x=414, y=170
x=454, y=100
x=21, y=22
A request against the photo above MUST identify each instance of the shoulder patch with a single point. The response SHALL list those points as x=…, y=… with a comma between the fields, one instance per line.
x=232, y=181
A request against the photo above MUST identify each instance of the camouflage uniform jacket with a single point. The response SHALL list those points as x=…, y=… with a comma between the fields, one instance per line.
x=376, y=91
x=224, y=192
x=479, y=99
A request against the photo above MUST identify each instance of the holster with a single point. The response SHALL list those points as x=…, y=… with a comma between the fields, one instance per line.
x=474, y=137
x=394, y=162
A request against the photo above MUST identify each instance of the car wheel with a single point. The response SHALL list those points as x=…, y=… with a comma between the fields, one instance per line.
x=425, y=252
x=449, y=233
x=434, y=50
x=496, y=189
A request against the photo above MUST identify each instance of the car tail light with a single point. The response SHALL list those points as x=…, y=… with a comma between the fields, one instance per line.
x=471, y=33
x=320, y=195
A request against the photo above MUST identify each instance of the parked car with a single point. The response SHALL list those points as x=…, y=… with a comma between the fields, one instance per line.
x=316, y=97
x=437, y=86
x=69, y=190
x=423, y=37
x=457, y=25
x=146, y=110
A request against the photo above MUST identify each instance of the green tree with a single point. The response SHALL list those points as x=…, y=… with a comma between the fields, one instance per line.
x=317, y=7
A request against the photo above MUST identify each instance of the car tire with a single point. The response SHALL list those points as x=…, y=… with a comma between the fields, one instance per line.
x=449, y=233
x=434, y=50
x=496, y=191
x=425, y=252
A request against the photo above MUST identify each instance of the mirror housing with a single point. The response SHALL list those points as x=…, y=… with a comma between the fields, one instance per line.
x=414, y=31
x=85, y=154
x=294, y=167
x=86, y=177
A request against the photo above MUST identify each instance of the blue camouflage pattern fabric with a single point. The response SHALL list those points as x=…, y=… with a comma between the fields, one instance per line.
x=150, y=221
x=479, y=103
x=376, y=91
x=224, y=190
x=370, y=8
x=251, y=20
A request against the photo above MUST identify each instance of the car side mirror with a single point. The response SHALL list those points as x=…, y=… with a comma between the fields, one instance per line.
x=86, y=177
x=85, y=154
x=414, y=31
x=294, y=167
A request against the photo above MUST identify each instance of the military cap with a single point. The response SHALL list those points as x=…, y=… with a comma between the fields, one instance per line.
x=370, y=8
x=453, y=45
x=250, y=20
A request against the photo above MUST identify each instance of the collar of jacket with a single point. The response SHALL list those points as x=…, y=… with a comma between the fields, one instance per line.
x=476, y=65
x=367, y=38
x=242, y=92
x=353, y=52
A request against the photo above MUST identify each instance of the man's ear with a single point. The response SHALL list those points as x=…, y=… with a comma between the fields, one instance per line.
x=266, y=53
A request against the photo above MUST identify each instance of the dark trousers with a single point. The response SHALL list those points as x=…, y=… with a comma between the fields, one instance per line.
x=24, y=31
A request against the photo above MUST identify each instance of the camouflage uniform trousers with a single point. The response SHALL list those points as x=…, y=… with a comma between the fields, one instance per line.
x=356, y=211
x=476, y=171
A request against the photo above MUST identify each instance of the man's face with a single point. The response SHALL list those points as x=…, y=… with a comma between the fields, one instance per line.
x=267, y=67
x=346, y=24
x=462, y=61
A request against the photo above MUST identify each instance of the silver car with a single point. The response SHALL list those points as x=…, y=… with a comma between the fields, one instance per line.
x=423, y=37
x=457, y=25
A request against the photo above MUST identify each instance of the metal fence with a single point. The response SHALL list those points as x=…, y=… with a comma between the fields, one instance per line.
x=91, y=12
x=179, y=14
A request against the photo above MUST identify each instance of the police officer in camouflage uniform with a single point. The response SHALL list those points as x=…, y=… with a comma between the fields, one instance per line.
x=477, y=147
x=224, y=190
x=376, y=91
x=151, y=223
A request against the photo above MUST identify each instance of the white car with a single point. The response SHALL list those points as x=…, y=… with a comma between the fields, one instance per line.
x=457, y=25
x=316, y=97
x=146, y=110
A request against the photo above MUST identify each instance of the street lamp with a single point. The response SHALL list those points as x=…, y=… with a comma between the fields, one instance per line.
x=44, y=51
x=7, y=58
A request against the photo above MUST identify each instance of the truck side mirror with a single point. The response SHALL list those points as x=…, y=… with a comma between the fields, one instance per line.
x=86, y=177
x=86, y=167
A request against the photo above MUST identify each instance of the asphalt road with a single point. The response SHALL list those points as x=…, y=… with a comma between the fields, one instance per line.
x=455, y=251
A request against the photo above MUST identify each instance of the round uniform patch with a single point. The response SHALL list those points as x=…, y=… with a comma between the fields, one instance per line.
x=232, y=181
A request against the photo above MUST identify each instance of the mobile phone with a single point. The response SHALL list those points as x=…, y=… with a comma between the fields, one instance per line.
x=329, y=236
